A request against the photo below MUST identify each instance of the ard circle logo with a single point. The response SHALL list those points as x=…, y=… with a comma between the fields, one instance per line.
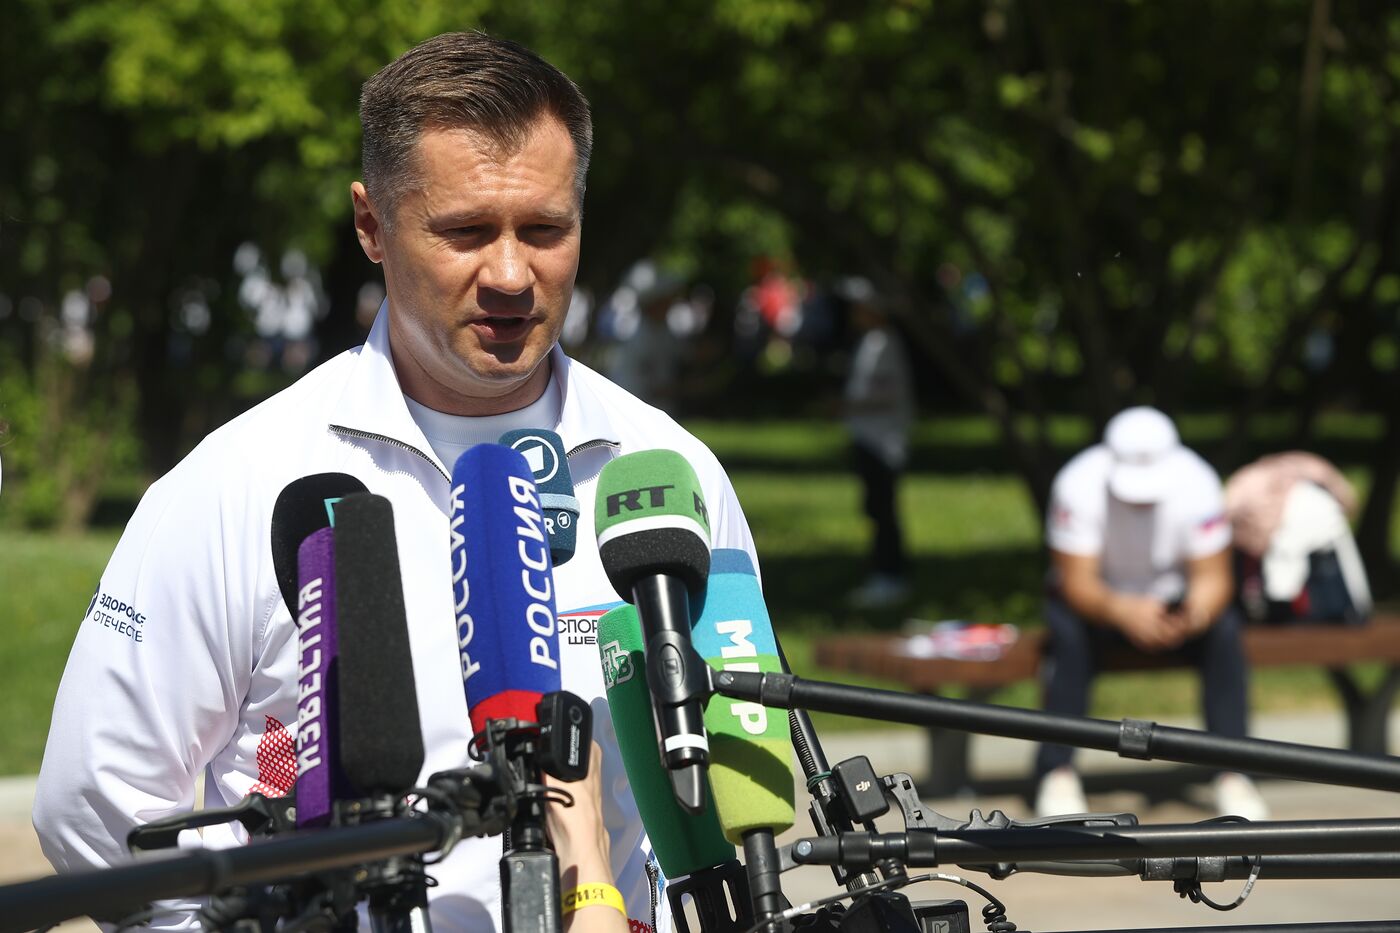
x=540, y=457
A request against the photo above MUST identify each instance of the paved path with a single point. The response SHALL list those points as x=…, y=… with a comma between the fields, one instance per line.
x=1035, y=902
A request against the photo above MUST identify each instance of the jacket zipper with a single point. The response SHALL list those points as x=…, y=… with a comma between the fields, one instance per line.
x=652, y=873
x=370, y=436
x=592, y=445
x=366, y=435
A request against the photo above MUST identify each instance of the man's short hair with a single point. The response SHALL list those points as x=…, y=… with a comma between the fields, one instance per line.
x=463, y=80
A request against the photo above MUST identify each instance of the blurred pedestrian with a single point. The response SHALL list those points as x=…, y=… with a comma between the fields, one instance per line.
x=1298, y=560
x=647, y=360
x=1140, y=555
x=879, y=409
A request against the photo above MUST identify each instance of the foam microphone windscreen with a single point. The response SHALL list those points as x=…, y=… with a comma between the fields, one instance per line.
x=683, y=842
x=651, y=520
x=751, y=767
x=545, y=455
x=381, y=738
x=503, y=586
x=320, y=781
x=303, y=506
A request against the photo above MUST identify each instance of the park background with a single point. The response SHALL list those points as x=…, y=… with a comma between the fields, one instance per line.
x=1069, y=208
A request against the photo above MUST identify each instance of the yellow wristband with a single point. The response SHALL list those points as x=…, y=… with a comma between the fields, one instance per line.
x=593, y=895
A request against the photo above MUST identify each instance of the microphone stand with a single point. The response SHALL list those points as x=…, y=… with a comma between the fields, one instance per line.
x=396, y=886
x=933, y=847
x=464, y=802
x=832, y=812
x=558, y=743
x=1129, y=738
x=529, y=867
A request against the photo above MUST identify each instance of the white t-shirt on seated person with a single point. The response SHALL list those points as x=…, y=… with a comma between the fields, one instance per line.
x=1141, y=548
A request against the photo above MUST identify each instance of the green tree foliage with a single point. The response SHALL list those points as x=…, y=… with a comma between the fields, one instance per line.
x=1079, y=205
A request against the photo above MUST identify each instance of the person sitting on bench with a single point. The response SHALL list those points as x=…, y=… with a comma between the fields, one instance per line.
x=1296, y=559
x=1140, y=554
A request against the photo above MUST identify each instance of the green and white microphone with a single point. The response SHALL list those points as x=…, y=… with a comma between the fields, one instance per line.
x=696, y=858
x=654, y=543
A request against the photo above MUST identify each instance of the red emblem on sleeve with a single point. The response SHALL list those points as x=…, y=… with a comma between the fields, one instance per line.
x=277, y=761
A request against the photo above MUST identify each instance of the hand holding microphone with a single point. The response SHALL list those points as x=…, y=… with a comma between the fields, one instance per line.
x=591, y=901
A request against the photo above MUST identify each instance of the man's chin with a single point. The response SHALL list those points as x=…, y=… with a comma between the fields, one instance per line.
x=502, y=374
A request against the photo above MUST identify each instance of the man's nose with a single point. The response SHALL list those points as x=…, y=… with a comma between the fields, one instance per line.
x=507, y=267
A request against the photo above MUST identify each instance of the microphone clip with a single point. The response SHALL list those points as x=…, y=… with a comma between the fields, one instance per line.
x=558, y=742
x=566, y=735
x=259, y=815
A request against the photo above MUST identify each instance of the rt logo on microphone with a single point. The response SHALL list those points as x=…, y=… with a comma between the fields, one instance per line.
x=631, y=499
x=655, y=496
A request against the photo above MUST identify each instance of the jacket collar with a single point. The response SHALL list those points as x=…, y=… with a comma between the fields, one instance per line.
x=372, y=405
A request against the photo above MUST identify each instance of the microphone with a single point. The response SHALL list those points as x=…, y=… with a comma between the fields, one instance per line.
x=751, y=769
x=303, y=506
x=381, y=743
x=694, y=855
x=548, y=461
x=503, y=586
x=380, y=736
x=305, y=577
x=320, y=780
x=508, y=637
x=654, y=544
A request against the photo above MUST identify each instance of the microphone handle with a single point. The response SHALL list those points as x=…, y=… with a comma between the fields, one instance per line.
x=530, y=891
x=401, y=911
x=678, y=679
x=829, y=807
x=762, y=862
x=529, y=867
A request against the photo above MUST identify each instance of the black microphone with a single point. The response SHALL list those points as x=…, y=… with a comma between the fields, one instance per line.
x=654, y=543
x=303, y=506
x=381, y=738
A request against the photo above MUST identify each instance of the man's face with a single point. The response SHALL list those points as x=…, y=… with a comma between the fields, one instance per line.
x=479, y=264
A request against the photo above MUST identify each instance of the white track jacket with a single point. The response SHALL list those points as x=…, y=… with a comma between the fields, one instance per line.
x=187, y=657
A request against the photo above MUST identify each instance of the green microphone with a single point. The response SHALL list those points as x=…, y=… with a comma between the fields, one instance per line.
x=691, y=848
x=654, y=544
x=751, y=775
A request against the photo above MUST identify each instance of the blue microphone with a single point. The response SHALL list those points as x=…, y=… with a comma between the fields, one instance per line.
x=751, y=773
x=503, y=586
x=508, y=636
x=548, y=461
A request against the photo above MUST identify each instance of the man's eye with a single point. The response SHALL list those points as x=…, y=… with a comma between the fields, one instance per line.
x=474, y=230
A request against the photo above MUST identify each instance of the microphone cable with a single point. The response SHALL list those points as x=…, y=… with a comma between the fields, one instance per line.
x=993, y=913
x=1191, y=887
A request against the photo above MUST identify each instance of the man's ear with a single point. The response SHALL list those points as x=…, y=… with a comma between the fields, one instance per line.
x=368, y=227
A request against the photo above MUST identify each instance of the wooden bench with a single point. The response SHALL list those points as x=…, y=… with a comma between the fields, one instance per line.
x=1333, y=647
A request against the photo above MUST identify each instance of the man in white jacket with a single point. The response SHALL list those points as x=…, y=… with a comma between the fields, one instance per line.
x=475, y=157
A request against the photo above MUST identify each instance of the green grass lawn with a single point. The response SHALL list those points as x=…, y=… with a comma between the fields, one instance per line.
x=47, y=582
x=974, y=538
